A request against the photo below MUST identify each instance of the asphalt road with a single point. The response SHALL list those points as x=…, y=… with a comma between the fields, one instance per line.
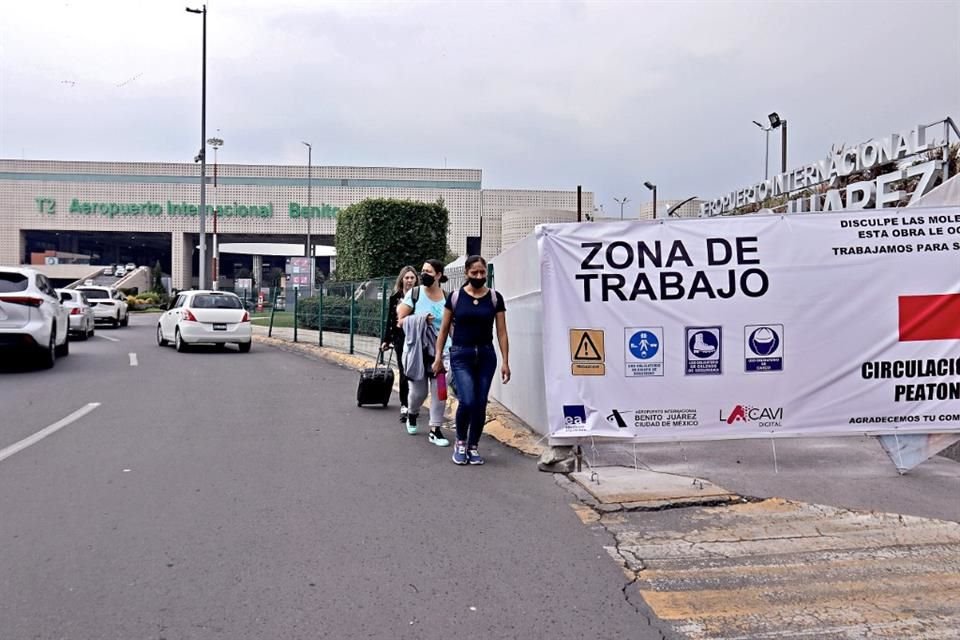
x=225, y=495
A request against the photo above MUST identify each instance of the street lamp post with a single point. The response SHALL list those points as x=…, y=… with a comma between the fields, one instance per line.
x=653, y=187
x=216, y=143
x=203, y=156
x=776, y=121
x=309, y=215
x=766, y=155
x=621, y=202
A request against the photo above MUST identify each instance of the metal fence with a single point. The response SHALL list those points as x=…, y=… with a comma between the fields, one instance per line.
x=347, y=316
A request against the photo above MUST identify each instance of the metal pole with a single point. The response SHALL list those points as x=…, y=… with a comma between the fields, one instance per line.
x=384, y=300
x=320, y=317
x=203, y=161
x=296, y=315
x=273, y=310
x=654, y=203
x=216, y=252
x=353, y=307
x=783, y=147
x=766, y=158
x=309, y=214
x=579, y=203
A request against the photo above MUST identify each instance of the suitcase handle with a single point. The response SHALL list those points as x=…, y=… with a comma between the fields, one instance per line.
x=381, y=362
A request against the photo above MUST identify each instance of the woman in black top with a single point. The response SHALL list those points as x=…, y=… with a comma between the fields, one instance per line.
x=471, y=313
x=393, y=335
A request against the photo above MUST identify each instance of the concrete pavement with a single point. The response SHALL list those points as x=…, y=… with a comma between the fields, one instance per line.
x=218, y=494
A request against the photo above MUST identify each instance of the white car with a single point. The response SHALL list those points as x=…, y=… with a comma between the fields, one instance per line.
x=120, y=271
x=130, y=267
x=205, y=317
x=82, y=322
x=31, y=316
x=109, y=305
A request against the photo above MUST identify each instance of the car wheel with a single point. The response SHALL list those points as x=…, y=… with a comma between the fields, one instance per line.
x=64, y=349
x=83, y=335
x=49, y=355
x=245, y=346
x=178, y=342
x=125, y=321
x=161, y=341
x=92, y=331
x=115, y=322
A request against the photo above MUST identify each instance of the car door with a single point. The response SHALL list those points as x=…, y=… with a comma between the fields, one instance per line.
x=168, y=321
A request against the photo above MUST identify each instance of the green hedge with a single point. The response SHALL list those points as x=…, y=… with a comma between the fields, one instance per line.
x=381, y=236
x=336, y=315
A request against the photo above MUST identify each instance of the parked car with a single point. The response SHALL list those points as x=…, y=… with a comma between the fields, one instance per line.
x=88, y=282
x=108, y=304
x=205, y=317
x=120, y=271
x=82, y=322
x=130, y=266
x=31, y=316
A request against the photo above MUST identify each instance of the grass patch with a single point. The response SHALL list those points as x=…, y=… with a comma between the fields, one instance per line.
x=280, y=319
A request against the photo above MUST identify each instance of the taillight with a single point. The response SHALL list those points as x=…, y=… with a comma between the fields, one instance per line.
x=28, y=301
x=76, y=311
x=246, y=317
x=189, y=316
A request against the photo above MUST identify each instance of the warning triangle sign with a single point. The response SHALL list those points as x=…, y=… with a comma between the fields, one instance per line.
x=587, y=349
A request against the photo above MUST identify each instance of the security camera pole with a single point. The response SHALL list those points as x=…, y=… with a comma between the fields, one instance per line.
x=203, y=156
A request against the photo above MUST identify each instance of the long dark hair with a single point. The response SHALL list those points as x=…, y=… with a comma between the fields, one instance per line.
x=472, y=260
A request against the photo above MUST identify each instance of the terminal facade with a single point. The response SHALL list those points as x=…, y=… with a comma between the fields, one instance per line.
x=144, y=212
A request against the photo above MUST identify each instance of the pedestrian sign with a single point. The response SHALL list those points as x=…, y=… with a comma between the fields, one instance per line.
x=587, y=352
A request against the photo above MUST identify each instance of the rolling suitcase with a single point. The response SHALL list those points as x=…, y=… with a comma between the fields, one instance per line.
x=376, y=383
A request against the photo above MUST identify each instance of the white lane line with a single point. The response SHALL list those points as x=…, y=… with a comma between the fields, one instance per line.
x=43, y=433
x=107, y=338
x=133, y=359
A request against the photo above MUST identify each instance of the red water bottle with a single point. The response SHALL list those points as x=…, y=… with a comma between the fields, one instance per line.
x=442, y=386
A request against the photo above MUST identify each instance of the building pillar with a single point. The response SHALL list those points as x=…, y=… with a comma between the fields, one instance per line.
x=181, y=262
x=11, y=253
x=257, y=270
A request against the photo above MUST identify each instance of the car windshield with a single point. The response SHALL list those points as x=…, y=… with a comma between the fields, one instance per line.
x=10, y=282
x=96, y=293
x=216, y=302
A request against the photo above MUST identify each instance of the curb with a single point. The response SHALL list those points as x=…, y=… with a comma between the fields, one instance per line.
x=501, y=425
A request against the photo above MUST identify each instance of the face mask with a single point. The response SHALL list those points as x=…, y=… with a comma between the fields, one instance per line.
x=477, y=283
x=427, y=279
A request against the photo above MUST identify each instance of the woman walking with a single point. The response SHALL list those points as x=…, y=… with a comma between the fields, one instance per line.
x=471, y=313
x=393, y=334
x=420, y=314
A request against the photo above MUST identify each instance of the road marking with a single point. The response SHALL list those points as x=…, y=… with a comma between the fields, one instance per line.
x=133, y=359
x=43, y=433
x=107, y=338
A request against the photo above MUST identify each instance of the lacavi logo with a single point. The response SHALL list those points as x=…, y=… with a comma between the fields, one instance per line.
x=765, y=417
x=574, y=415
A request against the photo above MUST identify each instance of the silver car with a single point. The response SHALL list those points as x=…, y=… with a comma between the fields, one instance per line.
x=82, y=321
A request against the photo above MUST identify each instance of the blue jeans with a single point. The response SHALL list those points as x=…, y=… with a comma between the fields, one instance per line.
x=473, y=369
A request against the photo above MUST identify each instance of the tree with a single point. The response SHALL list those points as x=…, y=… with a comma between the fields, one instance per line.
x=380, y=236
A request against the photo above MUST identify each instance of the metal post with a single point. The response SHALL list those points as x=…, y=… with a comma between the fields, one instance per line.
x=273, y=310
x=296, y=315
x=490, y=276
x=384, y=301
x=309, y=254
x=203, y=161
x=766, y=157
x=579, y=203
x=353, y=313
x=654, y=203
x=320, y=317
x=783, y=146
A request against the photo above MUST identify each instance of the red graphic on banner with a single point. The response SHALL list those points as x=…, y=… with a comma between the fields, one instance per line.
x=932, y=317
x=737, y=414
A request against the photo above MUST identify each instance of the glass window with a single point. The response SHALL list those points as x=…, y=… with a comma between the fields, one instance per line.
x=11, y=282
x=96, y=294
x=216, y=302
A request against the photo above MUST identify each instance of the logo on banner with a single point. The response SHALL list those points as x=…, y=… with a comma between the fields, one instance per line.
x=763, y=347
x=704, y=348
x=653, y=418
x=587, y=352
x=643, y=352
x=574, y=416
x=764, y=417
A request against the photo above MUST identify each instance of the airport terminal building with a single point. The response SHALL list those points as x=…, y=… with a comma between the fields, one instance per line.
x=142, y=212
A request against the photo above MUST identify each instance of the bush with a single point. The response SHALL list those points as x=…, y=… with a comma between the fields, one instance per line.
x=336, y=315
x=381, y=236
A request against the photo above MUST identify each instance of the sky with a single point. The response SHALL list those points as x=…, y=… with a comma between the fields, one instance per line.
x=539, y=95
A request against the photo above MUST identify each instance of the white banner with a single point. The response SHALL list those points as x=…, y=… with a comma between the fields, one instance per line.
x=753, y=326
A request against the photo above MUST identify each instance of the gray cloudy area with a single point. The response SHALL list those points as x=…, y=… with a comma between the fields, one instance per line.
x=537, y=95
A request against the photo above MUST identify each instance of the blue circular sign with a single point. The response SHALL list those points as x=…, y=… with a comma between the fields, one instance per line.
x=704, y=344
x=764, y=341
x=644, y=345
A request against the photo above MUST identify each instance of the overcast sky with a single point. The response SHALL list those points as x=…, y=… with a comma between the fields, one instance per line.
x=537, y=95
